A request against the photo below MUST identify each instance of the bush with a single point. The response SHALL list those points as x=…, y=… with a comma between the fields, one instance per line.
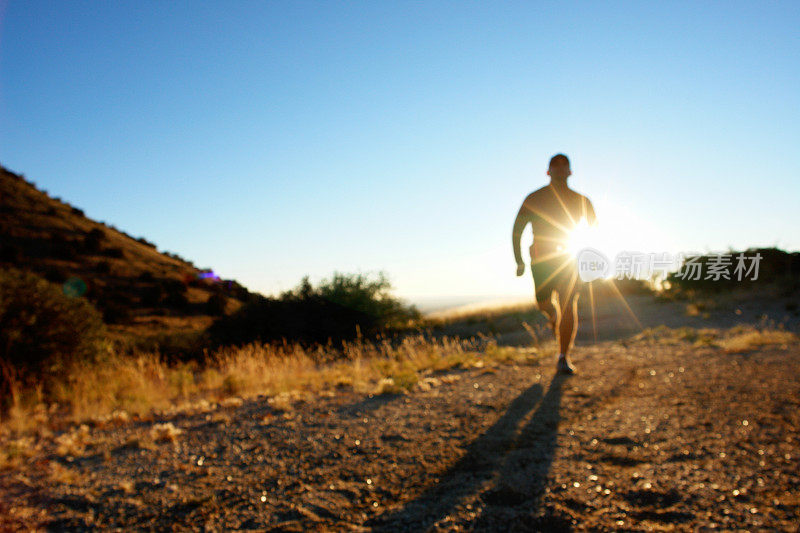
x=776, y=268
x=234, y=290
x=215, y=305
x=103, y=267
x=174, y=293
x=151, y=295
x=310, y=320
x=337, y=309
x=9, y=252
x=42, y=330
x=369, y=296
x=115, y=312
x=176, y=300
x=92, y=241
x=60, y=248
x=55, y=274
x=114, y=252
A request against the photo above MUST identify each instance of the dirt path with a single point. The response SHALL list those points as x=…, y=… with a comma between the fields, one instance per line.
x=651, y=434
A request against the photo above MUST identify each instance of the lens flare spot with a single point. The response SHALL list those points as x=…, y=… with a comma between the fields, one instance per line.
x=74, y=287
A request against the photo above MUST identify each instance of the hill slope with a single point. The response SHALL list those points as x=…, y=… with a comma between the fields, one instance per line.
x=137, y=288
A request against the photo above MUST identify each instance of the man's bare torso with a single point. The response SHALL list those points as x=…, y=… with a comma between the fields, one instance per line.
x=553, y=211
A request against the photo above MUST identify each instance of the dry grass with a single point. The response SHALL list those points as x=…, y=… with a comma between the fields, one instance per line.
x=166, y=432
x=752, y=339
x=74, y=443
x=14, y=451
x=734, y=340
x=63, y=475
x=132, y=387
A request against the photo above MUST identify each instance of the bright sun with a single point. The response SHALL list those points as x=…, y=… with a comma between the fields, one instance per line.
x=582, y=236
x=618, y=230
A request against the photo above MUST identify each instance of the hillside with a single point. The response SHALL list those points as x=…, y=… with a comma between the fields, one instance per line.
x=139, y=289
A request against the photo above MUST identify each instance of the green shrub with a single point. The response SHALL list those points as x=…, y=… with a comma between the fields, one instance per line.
x=55, y=274
x=362, y=293
x=146, y=242
x=776, y=268
x=113, y=251
x=42, y=330
x=103, y=267
x=9, y=252
x=151, y=295
x=215, y=305
x=339, y=308
x=115, y=312
x=58, y=247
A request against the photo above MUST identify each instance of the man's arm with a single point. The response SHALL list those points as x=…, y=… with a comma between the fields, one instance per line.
x=523, y=217
x=591, y=218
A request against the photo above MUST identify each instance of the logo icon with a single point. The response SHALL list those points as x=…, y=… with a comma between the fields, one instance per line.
x=592, y=265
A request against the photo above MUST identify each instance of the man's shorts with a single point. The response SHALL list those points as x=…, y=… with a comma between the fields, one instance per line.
x=549, y=276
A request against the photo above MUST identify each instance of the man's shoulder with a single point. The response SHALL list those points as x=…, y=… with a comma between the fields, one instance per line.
x=538, y=193
x=546, y=194
x=586, y=200
x=579, y=196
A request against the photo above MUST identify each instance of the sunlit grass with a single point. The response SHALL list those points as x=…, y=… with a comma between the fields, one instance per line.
x=142, y=384
x=753, y=339
x=734, y=340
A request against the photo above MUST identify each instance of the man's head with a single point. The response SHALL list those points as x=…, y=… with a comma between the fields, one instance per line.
x=559, y=168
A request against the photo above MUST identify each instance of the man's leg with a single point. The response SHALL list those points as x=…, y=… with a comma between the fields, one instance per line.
x=546, y=297
x=569, y=325
x=552, y=311
x=567, y=328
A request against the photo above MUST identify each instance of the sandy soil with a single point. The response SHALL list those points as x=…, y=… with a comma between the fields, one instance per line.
x=653, y=433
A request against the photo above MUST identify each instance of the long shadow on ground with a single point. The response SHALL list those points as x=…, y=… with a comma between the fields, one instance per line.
x=513, y=457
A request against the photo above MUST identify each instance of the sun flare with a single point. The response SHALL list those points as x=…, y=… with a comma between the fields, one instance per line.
x=582, y=236
x=618, y=229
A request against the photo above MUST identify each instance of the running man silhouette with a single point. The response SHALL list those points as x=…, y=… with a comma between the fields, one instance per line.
x=553, y=212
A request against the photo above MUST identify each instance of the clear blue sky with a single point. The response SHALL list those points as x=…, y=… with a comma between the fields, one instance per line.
x=269, y=140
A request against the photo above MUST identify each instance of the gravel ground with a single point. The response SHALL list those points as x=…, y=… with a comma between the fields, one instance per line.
x=649, y=435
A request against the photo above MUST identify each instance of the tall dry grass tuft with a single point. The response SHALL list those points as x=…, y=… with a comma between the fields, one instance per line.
x=134, y=384
x=743, y=339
